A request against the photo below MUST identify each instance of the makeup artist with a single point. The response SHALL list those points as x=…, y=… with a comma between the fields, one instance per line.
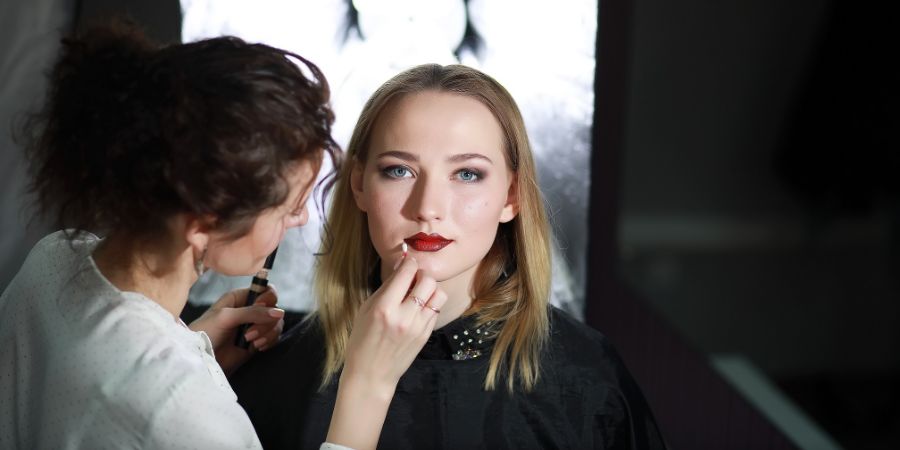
x=161, y=162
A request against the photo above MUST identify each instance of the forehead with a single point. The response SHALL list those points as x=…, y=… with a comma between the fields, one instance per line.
x=433, y=122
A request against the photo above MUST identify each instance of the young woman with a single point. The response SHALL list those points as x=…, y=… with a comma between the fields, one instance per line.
x=183, y=158
x=440, y=162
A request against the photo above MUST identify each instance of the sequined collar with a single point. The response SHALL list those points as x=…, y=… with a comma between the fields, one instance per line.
x=460, y=340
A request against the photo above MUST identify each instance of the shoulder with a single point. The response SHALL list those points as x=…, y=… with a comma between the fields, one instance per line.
x=53, y=257
x=72, y=243
x=156, y=372
x=578, y=350
x=50, y=264
x=68, y=236
x=130, y=344
x=108, y=382
x=582, y=359
x=568, y=332
x=123, y=340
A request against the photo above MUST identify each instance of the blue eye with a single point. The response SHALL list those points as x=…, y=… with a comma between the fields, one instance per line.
x=396, y=172
x=469, y=175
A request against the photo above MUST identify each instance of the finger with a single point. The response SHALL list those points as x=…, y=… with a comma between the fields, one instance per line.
x=273, y=331
x=436, y=302
x=270, y=338
x=258, y=330
x=267, y=329
x=399, y=261
x=421, y=291
x=397, y=285
x=252, y=334
x=431, y=311
x=231, y=299
x=269, y=297
x=232, y=317
x=260, y=343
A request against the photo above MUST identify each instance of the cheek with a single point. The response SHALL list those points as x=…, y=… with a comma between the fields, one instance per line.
x=479, y=210
x=384, y=215
x=231, y=259
x=266, y=234
x=245, y=255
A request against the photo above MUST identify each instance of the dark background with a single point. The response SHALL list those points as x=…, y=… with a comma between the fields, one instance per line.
x=758, y=206
x=744, y=202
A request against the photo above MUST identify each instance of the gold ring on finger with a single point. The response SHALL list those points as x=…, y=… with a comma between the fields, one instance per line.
x=417, y=300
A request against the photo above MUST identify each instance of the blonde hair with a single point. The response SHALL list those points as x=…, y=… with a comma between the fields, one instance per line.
x=512, y=286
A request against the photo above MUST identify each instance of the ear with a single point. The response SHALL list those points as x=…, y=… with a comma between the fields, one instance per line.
x=356, y=183
x=511, y=208
x=196, y=231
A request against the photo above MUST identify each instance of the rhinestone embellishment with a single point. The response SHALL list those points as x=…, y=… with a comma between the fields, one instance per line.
x=468, y=342
x=462, y=355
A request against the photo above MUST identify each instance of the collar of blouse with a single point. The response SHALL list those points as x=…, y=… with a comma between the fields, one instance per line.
x=460, y=340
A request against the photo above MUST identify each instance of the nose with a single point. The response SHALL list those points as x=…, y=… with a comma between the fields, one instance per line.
x=429, y=200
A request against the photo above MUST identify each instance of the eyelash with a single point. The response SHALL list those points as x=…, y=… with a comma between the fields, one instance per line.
x=386, y=173
x=477, y=173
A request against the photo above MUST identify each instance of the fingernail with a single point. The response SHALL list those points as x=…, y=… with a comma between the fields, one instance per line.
x=252, y=334
x=259, y=343
x=276, y=313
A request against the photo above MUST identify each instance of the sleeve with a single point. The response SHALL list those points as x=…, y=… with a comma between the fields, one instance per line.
x=330, y=446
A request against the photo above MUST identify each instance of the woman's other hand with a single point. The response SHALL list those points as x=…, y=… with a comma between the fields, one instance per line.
x=221, y=321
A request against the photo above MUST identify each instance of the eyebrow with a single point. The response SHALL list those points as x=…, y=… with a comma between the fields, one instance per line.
x=453, y=159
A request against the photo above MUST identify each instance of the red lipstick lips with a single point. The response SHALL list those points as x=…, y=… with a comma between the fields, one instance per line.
x=427, y=242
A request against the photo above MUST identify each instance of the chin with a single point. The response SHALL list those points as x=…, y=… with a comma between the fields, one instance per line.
x=242, y=271
x=235, y=272
x=440, y=274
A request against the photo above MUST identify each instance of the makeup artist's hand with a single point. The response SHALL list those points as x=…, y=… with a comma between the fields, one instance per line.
x=221, y=320
x=389, y=330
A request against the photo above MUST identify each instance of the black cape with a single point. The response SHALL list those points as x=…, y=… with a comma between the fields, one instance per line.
x=585, y=397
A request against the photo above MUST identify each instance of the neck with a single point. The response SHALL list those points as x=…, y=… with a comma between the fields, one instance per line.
x=162, y=273
x=459, y=296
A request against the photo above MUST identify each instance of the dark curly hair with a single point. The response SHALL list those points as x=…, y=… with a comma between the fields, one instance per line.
x=132, y=133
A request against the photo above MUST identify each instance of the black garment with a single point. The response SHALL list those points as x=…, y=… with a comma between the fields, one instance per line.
x=585, y=397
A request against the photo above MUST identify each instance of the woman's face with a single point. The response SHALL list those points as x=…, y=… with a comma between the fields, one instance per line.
x=246, y=255
x=436, y=178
